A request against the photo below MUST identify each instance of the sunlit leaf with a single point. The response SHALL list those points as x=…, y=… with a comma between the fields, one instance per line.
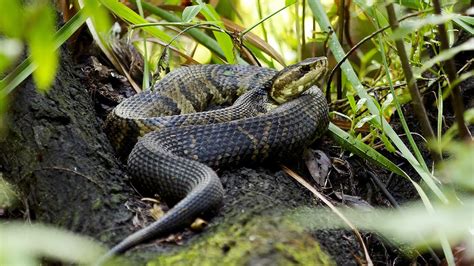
x=131, y=16
x=11, y=19
x=8, y=196
x=410, y=26
x=99, y=16
x=198, y=35
x=352, y=102
x=190, y=12
x=364, y=120
x=40, y=38
x=466, y=23
x=225, y=42
x=25, y=68
x=414, y=4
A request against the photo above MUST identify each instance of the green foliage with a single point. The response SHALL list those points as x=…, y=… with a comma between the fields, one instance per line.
x=413, y=224
x=223, y=39
x=34, y=24
x=410, y=225
x=190, y=12
x=28, y=244
x=458, y=169
x=363, y=150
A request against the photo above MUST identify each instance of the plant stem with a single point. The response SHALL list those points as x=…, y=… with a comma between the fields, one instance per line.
x=340, y=36
x=450, y=70
x=416, y=102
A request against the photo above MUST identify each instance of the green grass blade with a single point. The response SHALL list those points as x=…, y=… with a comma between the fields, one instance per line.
x=224, y=40
x=351, y=76
x=363, y=150
x=129, y=15
x=397, y=102
x=146, y=67
x=466, y=23
x=445, y=55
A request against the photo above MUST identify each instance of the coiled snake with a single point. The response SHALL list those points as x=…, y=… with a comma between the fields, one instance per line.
x=178, y=143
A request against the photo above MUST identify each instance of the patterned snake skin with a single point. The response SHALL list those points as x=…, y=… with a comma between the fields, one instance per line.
x=177, y=147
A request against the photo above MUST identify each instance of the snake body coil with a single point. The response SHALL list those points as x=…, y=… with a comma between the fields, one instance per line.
x=176, y=148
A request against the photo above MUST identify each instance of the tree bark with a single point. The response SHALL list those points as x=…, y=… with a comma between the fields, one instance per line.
x=58, y=156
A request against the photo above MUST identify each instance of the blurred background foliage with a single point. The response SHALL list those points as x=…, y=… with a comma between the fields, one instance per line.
x=364, y=96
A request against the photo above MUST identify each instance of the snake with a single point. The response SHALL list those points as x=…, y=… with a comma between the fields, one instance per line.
x=172, y=138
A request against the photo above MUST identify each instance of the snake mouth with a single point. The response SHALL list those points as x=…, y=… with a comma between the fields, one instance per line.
x=293, y=80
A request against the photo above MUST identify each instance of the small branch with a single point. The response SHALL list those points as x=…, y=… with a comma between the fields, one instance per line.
x=416, y=102
x=450, y=70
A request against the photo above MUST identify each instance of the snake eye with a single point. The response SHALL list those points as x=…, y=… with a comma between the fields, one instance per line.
x=305, y=68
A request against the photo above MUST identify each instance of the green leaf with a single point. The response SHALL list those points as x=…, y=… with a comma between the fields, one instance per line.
x=289, y=2
x=22, y=71
x=466, y=23
x=388, y=145
x=458, y=169
x=352, y=102
x=131, y=16
x=338, y=53
x=12, y=21
x=99, y=16
x=198, y=35
x=410, y=26
x=8, y=195
x=40, y=38
x=363, y=150
x=190, y=12
x=445, y=55
x=364, y=120
x=224, y=41
x=413, y=4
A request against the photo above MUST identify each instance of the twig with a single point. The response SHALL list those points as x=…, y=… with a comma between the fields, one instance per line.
x=416, y=102
x=450, y=69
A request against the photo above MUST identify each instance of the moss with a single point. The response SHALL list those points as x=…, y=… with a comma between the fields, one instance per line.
x=97, y=204
x=262, y=240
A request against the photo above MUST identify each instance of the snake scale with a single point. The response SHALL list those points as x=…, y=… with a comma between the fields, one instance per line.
x=174, y=144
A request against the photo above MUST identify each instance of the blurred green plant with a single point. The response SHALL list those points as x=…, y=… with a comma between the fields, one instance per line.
x=413, y=225
x=32, y=23
x=29, y=244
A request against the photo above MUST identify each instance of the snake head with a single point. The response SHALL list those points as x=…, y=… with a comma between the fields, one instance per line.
x=291, y=81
